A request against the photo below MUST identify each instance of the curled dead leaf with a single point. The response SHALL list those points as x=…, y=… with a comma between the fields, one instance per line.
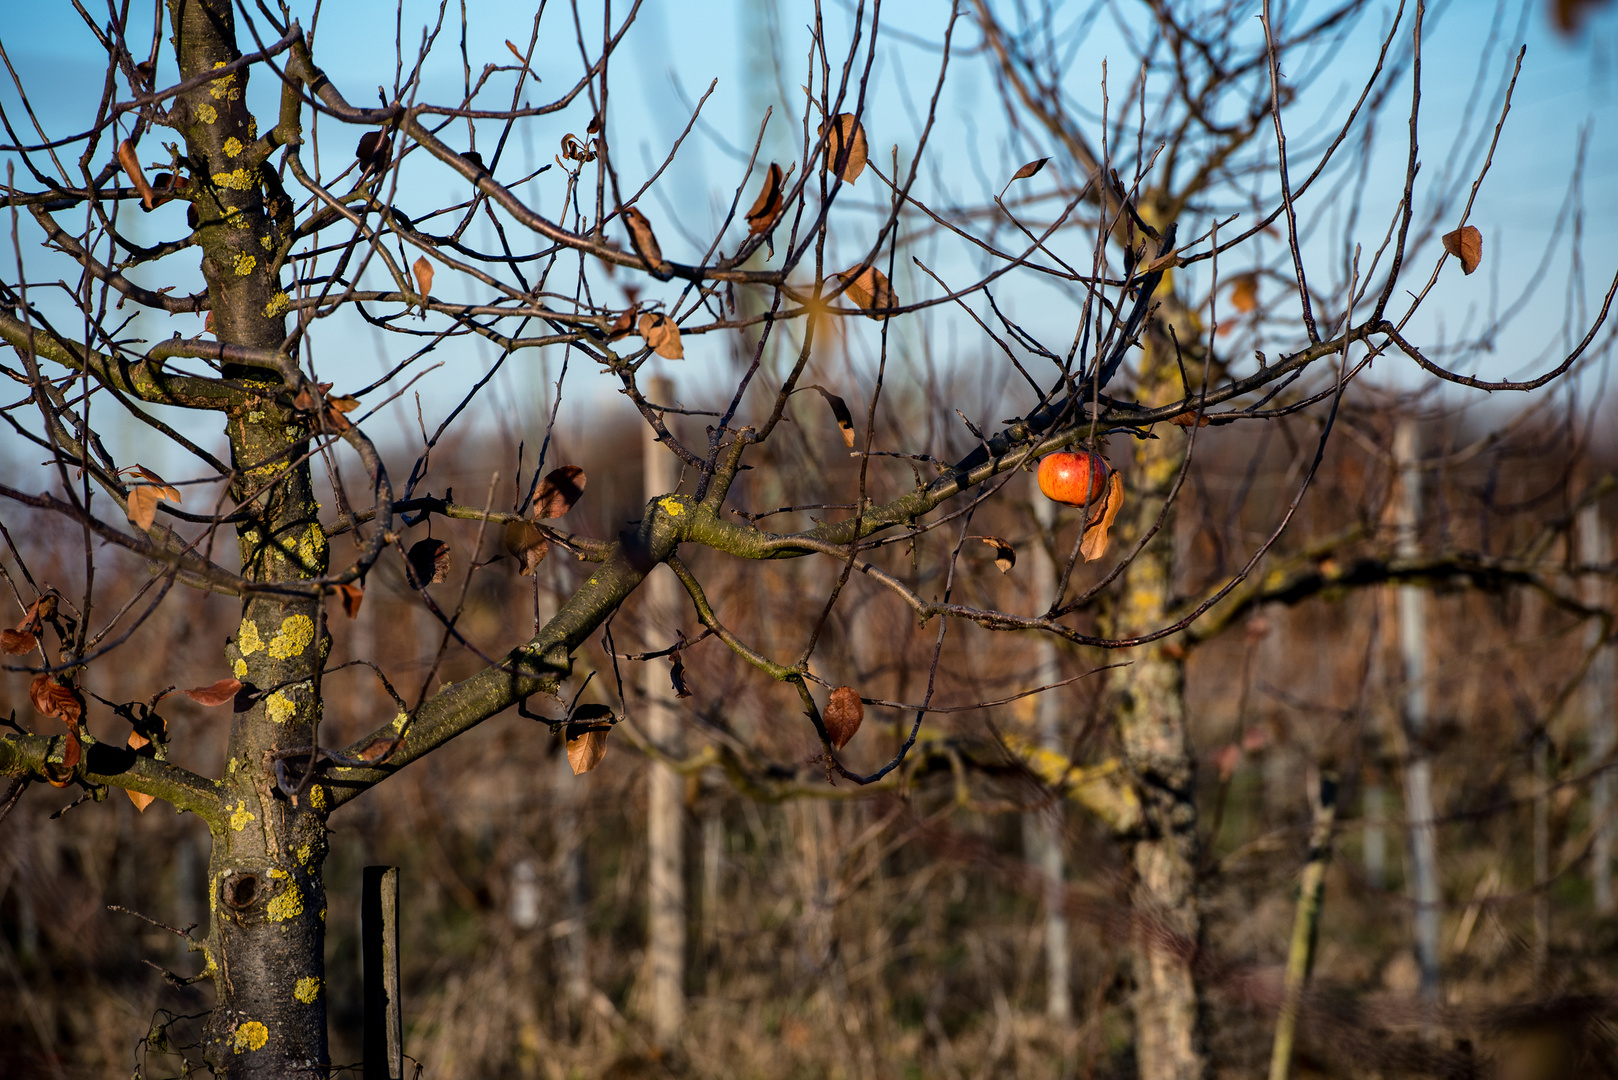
x=769, y=204
x=216, y=693
x=527, y=544
x=644, y=242
x=131, y=165
x=677, y=675
x=559, y=491
x=1005, y=556
x=1094, y=543
x=586, y=746
x=663, y=335
x=1186, y=420
x=143, y=498
x=869, y=290
x=424, y=275
x=51, y=698
x=353, y=595
x=1029, y=169
x=1466, y=244
x=17, y=642
x=846, y=149
x=373, y=151
x=429, y=562
x=622, y=325
x=843, y=716
x=839, y=409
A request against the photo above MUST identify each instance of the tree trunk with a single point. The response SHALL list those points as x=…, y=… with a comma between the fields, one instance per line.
x=266, y=899
x=1149, y=710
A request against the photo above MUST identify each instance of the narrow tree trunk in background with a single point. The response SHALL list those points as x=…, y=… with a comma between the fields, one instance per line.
x=266, y=897
x=1149, y=711
x=1418, y=767
x=1374, y=744
x=1595, y=549
x=1305, y=926
x=665, y=944
x=1042, y=831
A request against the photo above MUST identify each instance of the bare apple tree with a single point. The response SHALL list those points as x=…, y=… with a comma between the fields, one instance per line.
x=1132, y=238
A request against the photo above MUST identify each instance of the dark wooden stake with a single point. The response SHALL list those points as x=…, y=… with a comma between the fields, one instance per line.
x=379, y=933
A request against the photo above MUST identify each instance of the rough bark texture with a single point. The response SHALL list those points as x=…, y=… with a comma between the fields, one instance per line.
x=1149, y=707
x=266, y=943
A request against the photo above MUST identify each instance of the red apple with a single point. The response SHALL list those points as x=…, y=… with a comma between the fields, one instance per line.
x=1074, y=477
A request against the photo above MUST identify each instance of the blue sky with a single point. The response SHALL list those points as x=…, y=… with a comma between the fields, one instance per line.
x=1566, y=88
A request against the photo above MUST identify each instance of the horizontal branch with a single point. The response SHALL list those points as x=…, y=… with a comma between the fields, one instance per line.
x=115, y=766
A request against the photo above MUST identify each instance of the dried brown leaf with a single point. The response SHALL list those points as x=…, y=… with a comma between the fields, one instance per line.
x=1029, y=169
x=59, y=774
x=1466, y=244
x=846, y=149
x=170, y=492
x=622, y=325
x=353, y=595
x=17, y=642
x=140, y=799
x=1244, y=293
x=663, y=335
x=643, y=239
x=844, y=713
x=869, y=290
x=559, y=491
x=131, y=164
x=586, y=746
x=429, y=561
x=141, y=745
x=1005, y=556
x=527, y=544
x=216, y=694
x=1186, y=420
x=769, y=204
x=424, y=275
x=839, y=409
x=677, y=675
x=373, y=150
x=1094, y=544
x=342, y=403
x=51, y=698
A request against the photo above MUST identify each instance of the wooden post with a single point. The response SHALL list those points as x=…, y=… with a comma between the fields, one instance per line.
x=1305, y=927
x=665, y=944
x=1594, y=550
x=1418, y=766
x=1043, y=831
x=379, y=936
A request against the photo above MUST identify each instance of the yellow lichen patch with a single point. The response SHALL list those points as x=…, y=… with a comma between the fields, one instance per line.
x=252, y=129
x=245, y=263
x=307, y=989
x=207, y=113
x=322, y=914
x=297, y=631
x=312, y=547
x=280, y=708
x=672, y=506
x=240, y=816
x=251, y=1036
x=233, y=147
x=317, y=797
x=265, y=242
x=239, y=668
x=247, y=638
x=289, y=905
x=400, y=721
x=304, y=852
x=235, y=180
x=221, y=87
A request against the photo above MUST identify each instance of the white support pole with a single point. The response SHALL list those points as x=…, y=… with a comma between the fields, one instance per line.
x=665, y=944
x=1595, y=548
x=1418, y=767
x=1043, y=830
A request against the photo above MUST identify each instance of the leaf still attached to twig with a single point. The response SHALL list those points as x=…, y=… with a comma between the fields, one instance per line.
x=839, y=409
x=769, y=204
x=586, y=735
x=561, y=489
x=429, y=562
x=216, y=694
x=869, y=290
x=1005, y=556
x=1094, y=543
x=846, y=149
x=1466, y=244
x=353, y=595
x=843, y=716
x=644, y=242
x=424, y=276
x=663, y=335
x=1029, y=169
x=527, y=544
x=131, y=164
